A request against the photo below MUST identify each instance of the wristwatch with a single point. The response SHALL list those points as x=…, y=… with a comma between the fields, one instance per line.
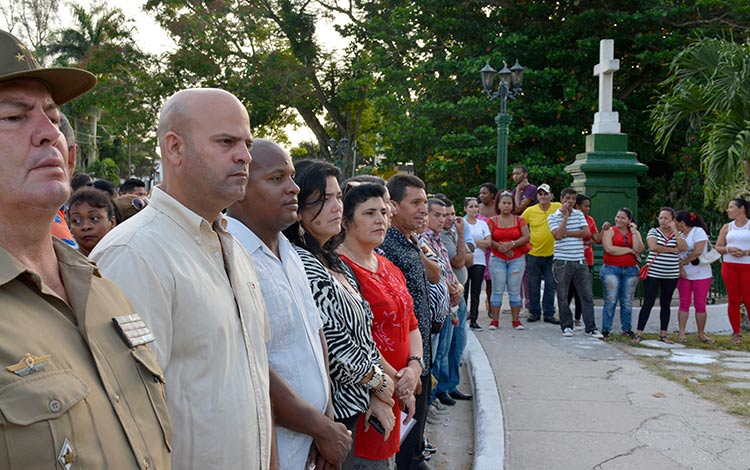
x=377, y=378
x=416, y=358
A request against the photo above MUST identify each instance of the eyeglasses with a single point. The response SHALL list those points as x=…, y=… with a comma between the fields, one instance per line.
x=625, y=238
x=139, y=203
x=349, y=185
x=506, y=193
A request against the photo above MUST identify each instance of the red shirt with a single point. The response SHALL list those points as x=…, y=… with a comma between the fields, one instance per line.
x=588, y=251
x=392, y=320
x=618, y=239
x=506, y=234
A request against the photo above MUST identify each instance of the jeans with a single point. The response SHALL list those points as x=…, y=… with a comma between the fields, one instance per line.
x=567, y=272
x=473, y=288
x=447, y=365
x=538, y=268
x=508, y=273
x=619, y=284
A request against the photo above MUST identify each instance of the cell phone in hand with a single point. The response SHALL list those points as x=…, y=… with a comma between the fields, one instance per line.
x=375, y=423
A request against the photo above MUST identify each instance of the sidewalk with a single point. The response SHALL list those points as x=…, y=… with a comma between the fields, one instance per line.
x=581, y=403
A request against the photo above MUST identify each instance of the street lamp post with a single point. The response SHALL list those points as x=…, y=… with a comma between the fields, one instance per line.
x=511, y=81
x=339, y=149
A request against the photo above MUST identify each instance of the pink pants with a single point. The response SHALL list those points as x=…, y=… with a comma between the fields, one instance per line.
x=737, y=281
x=695, y=292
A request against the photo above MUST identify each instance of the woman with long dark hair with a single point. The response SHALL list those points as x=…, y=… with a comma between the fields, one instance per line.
x=734, y=244
x=695, y=278
x=357, y=377
x=664, y=246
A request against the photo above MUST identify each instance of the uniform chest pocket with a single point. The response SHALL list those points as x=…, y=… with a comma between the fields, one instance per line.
x=39, y=413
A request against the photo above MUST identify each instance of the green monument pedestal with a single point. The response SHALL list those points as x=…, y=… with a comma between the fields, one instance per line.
x=608, y=174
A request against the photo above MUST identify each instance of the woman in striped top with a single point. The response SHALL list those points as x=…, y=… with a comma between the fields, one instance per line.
x=664, y=246
x=355, y=363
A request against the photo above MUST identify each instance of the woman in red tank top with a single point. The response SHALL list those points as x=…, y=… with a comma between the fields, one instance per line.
x=510, y=238
x=622, y=246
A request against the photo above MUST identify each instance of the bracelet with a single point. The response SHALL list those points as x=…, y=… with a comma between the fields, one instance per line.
x=384, y=385
x=513, y=243
x=377, y=377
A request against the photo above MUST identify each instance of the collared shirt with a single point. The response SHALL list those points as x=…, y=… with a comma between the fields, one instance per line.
x=433, y=238
x=450, y=239
x=197, y=289
x=104, y=399
x=542, y=241
x=406, y=256
x=568, y=248
x=294, y=350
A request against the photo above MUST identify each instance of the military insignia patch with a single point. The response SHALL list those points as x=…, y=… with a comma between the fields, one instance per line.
x=66, y=455
x=29, y=364
x=133, y=330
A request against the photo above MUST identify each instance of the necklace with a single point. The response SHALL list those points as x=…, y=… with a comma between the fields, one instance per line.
x=370, y=263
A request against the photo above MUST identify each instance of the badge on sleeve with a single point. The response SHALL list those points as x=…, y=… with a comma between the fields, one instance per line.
x=29, y=364
x=133, y=330
x=66, y=455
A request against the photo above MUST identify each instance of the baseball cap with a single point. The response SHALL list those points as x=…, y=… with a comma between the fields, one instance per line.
x=64, y=83
x=544, y=187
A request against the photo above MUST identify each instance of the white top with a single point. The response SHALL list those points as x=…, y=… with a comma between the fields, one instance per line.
x=294, y=351
x=701, y=271
x=210, y=330
x=568, y=248
x=740, y=238
x=479, y=231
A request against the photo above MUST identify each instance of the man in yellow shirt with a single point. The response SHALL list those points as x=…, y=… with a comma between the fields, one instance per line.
x=539, y=259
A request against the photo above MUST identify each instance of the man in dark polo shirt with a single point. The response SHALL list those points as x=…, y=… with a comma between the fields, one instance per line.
x=409, y=209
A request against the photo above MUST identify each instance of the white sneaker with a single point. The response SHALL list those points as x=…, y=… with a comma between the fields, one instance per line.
x=595, y=334
x=433, y=417
x=441, y=409
x=567, y=332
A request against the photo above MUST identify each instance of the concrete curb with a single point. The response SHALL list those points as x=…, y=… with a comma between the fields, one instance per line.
x=489, y=425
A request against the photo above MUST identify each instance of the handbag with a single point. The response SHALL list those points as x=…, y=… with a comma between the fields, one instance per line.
x=709, y=256
x=643, y=273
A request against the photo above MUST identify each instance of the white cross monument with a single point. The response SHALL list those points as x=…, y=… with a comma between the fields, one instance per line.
x=606, y=121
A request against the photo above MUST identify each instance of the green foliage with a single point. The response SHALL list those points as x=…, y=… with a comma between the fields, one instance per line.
x=105, y=169
x=708, y=92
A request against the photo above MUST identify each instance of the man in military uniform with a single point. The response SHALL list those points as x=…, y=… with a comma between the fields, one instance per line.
x=79, y=387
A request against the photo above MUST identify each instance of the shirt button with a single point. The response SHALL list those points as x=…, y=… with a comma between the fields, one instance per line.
x=55, y=405
x=197, y=238
x=145, y=463
x=117, y=398
x=217, y=254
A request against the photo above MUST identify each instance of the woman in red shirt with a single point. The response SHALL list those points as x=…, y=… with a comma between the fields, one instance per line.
x=510, y=238
x=622, y=246
x=394, y=325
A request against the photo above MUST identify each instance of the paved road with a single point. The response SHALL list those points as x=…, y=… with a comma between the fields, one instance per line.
x=580, y=403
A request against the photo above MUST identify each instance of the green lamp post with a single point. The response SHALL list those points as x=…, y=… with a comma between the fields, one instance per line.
x=510, y=86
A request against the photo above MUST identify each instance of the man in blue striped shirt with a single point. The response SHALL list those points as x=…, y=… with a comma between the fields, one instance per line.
x=569, y=228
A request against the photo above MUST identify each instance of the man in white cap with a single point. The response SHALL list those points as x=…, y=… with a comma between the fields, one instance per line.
x=539, y=260
x=79, y=387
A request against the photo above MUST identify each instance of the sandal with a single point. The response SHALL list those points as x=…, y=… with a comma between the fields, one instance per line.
x=706, y=340
x=636, y=339
x=736, y=339
x=682, y=339
x=665, y=339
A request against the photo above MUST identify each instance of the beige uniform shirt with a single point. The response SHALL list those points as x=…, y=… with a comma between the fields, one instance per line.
x=197, y=289
x=94, y=402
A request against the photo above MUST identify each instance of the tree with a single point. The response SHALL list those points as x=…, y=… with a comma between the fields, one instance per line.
x=32, y=21
x=708, y=92
x=125, y=100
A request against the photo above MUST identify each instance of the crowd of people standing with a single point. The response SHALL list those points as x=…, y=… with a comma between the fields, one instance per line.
x=255, y=312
